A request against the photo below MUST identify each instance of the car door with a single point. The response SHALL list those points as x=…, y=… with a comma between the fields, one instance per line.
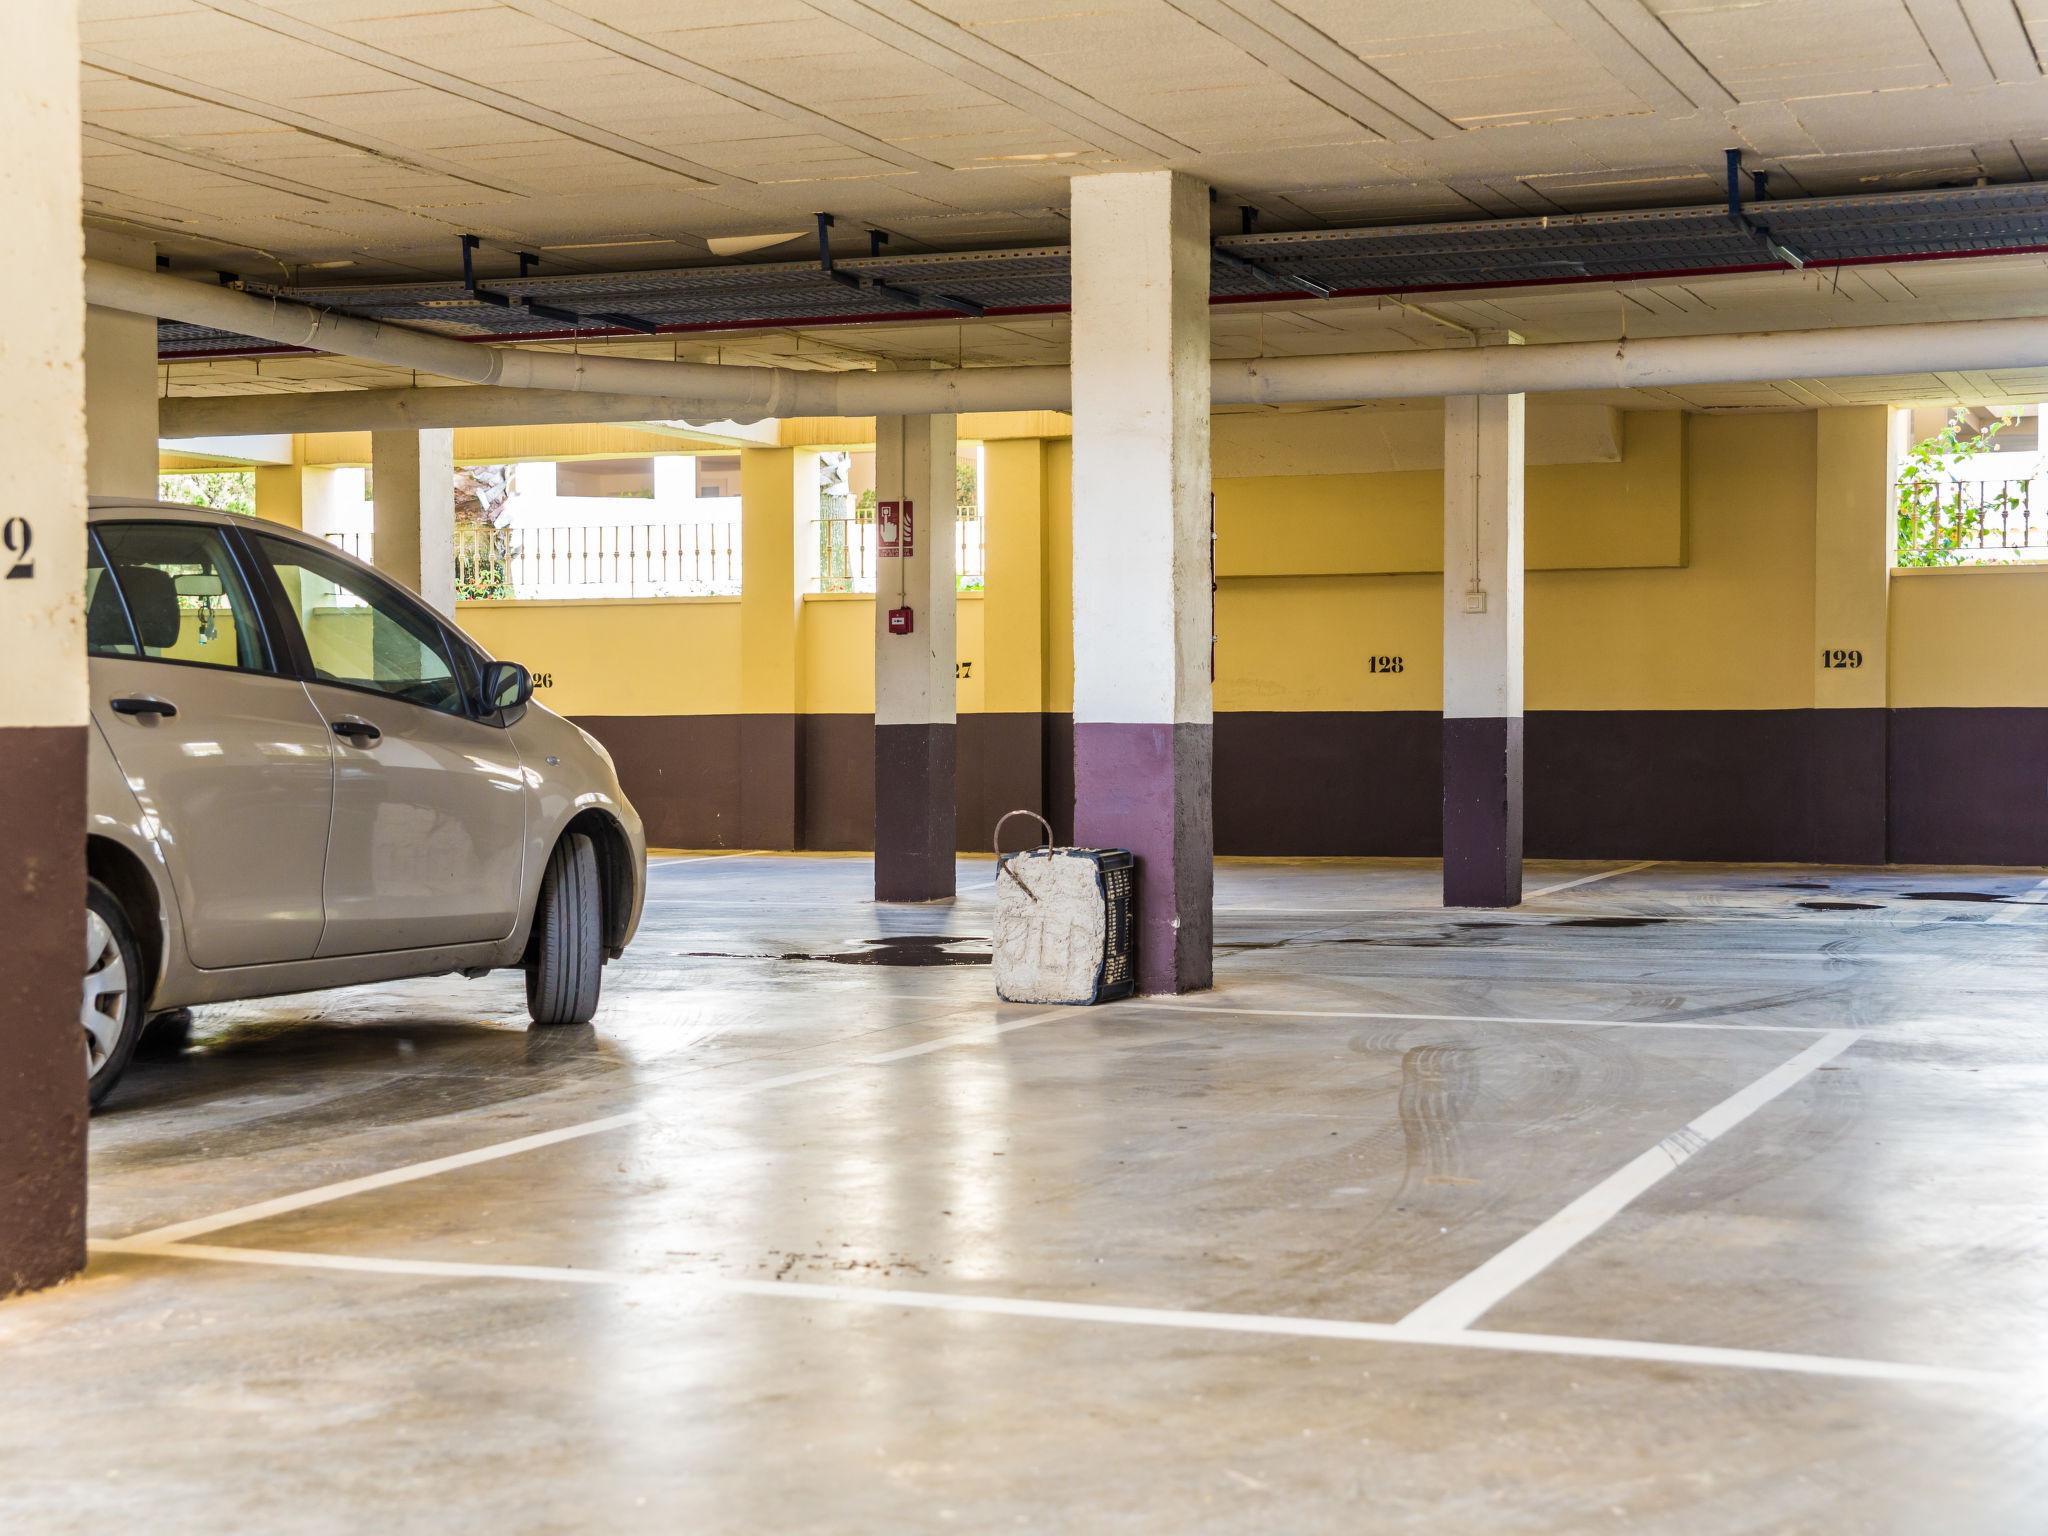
x=429, y=834
x=227, y=756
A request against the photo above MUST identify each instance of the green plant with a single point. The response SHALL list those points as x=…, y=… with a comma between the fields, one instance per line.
x=224, y=490
x=1938, y=525
x=483, y=550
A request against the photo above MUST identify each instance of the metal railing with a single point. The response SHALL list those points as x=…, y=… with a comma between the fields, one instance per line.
x=1986, y=515
x=588, y=560
x=846, y=550
x=662, y=559
x=599, y=560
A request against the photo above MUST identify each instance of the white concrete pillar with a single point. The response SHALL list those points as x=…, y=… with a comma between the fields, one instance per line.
x=412, y=488
x=43, y=712
x=1143, y=606
x=1482, y=729
x=915, y=653
x=120, y=383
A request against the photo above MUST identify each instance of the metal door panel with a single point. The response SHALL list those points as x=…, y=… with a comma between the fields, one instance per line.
x=429, y=836
x=238, y=788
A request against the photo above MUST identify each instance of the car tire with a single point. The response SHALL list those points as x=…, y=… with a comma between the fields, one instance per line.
x=110, y=1004
x=567, y=963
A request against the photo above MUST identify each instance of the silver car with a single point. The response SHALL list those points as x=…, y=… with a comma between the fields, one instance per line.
x=301, y=776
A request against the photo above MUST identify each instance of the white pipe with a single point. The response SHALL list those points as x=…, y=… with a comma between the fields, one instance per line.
x=1651, y=363
x=709, y=391
x=646, y=389
x=457, y=405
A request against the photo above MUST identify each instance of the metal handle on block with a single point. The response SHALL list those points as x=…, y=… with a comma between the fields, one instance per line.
x=1003, y=868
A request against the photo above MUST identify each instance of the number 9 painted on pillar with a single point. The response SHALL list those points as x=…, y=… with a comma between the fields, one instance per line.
x=16, y=537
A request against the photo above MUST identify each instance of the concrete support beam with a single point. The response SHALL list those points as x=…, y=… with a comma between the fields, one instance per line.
x=43, y=712
x=778, y=492
x=1855, y=540
x=1482, y=741
x=1143, y=609
x=914, y=672
x=120, y=383
x=412, y=484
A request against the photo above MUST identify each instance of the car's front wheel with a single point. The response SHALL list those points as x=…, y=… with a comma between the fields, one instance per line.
x=111, y=1005
x=567, y=962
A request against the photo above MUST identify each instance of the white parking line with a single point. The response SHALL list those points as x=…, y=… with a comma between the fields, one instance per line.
x=1477, y=1018
x=1403, y=1333
x=1464, y=1301
x=282, y=1205
x=1605, y=874
x=2024, y=903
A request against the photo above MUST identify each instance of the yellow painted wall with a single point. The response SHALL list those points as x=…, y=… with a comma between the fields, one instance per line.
x=1594, y=515
x=838, y=642
x=1013, y=610
x=1969, y=637
x=1059, y=577
x=1734, y=628
x=839, y=653
x=639, y=656
x=1731, y=628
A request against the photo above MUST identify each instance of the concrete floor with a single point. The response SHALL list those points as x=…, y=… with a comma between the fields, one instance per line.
x=1713, y=1199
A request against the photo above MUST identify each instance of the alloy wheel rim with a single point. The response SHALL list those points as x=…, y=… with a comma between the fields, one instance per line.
x=105, y=1002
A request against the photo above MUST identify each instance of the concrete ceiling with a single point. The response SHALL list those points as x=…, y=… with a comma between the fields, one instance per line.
x=628, y=132
x=344, y=139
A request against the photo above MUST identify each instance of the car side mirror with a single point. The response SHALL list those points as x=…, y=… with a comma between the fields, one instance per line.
x=506, y=686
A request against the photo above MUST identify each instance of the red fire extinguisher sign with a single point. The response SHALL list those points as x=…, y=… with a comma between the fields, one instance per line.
x=895, y=530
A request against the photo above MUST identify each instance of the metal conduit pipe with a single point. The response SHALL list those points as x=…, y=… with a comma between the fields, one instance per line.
x=644, y=389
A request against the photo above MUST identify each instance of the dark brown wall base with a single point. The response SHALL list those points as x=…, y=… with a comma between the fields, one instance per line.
x=1797, y=785
x=686, y=775
x=771, y=775
x=1359, y=785
x=42, y=1056
x=839, y=782
x=682, y=773
x=1969, y=786
x=1003, y=768
x=1936, y=786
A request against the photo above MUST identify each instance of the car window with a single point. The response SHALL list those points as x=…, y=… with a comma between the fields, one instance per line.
x=361, y=633
x=107, y=630
x=184, y=596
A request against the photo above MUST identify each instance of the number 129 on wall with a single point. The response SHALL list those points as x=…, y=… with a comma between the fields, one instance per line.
x=1841, y=659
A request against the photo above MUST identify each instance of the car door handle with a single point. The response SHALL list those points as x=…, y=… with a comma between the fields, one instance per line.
x=142, y=704
x=361, y=732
